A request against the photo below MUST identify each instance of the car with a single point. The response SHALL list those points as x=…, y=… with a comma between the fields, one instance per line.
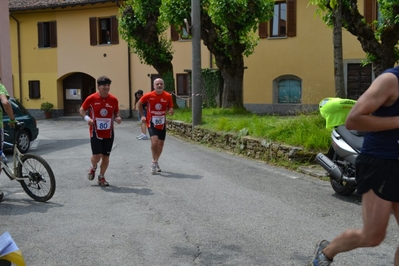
x=26, y=135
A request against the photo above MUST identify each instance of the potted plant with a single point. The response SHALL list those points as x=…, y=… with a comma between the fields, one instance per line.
x=47, y=107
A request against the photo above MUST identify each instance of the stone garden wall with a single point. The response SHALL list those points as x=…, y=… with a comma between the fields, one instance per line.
x=255, y=148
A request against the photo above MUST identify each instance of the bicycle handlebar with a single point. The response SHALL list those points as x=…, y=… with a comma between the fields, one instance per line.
x=17, y=126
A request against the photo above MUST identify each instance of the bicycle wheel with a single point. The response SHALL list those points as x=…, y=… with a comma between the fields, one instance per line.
x=39, y=182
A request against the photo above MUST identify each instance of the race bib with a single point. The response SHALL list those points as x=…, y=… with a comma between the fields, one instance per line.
x=158, y=120
x=103, y=123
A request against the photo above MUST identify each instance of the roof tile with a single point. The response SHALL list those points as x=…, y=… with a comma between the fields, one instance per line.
x=40, y=4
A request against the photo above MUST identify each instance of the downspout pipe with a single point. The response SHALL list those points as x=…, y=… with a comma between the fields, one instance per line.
x=19, y=59
x=129, y=75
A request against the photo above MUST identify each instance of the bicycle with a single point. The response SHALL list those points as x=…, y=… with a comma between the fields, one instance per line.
x=30, y=170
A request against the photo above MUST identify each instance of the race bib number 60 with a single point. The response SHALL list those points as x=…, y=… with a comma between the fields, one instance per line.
x=103, y=123
x=158, y=120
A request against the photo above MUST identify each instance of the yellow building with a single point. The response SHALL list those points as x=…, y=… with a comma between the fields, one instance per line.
x=59, y=49
x=5, y=47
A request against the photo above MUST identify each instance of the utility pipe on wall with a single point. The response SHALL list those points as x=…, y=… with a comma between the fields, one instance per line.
x=19, y=59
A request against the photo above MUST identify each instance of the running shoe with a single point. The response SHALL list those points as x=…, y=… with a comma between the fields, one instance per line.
x=92, y=173
x=102, y=182
x=140, y=136
x=157, y=167
x=319, y=258
x=153, y=168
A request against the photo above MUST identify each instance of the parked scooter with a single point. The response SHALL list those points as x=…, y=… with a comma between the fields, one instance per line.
x=339, y=162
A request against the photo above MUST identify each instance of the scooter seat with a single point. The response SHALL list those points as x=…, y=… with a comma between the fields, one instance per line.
x=353, y=137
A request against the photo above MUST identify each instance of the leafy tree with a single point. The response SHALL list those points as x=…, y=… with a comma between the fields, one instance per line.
x=228, y=29
x=140, y=27
x=379, y=39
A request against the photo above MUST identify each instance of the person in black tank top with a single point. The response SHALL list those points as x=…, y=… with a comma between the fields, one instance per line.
x=377, y=168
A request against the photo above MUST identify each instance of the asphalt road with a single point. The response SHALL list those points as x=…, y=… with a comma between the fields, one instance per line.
x=206, y=207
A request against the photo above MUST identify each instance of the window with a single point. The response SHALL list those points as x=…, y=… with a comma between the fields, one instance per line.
x=47, y=34
x=287, y=89
x=104, y=30
x=34, y=89
x=283, y=24
x=278, y=24
x=176, y=35
x=182, y=84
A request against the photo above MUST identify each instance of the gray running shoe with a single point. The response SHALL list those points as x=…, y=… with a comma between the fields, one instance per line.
x=153, y=168
x=157, y=167
x=319, y=258
x=91, y=173
x=142, y=137
x=102, y=182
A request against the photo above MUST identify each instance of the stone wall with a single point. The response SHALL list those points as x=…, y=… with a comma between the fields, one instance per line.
x=255, y=148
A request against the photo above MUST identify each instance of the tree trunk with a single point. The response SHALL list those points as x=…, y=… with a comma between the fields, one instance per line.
x=232, y=71
x=340, y=90
x=232, y=95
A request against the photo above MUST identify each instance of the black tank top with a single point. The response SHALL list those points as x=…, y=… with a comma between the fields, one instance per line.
x=384, y=144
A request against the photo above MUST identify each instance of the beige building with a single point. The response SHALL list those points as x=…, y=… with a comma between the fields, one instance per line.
x=5, y=48
x=59, y=49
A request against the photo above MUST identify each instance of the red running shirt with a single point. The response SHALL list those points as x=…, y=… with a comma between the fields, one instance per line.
x=157, y=105
x=103, y=112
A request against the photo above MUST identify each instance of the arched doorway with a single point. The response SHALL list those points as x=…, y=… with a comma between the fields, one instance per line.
x=76, y=89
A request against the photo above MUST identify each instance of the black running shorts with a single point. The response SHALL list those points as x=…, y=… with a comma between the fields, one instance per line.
x=101, y=146
x=380, y=175
x=161, y=133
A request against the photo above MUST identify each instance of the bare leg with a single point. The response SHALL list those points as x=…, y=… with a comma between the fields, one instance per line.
x=376, y=212
x=395, y=210
x=95, y=158
x=156, y=148
x=143, y=128
x=104, y=164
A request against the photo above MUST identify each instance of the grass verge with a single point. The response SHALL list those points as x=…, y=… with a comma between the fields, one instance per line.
x=303, y=130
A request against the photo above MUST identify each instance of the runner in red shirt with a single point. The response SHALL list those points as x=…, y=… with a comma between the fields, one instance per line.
x=159, y=102
x=103, y=110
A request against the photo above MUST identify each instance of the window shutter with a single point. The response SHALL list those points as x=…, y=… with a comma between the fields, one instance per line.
x=370, y=10
x=40, y=34
x=93, y=30
x=114, y=30
x=174, y=35
x=53, y=33
x=263, y=30
x=291, y=18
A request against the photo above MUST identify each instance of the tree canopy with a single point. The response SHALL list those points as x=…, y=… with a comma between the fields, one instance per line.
x=228, y=30
x=377, y=30
x=141, y=28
